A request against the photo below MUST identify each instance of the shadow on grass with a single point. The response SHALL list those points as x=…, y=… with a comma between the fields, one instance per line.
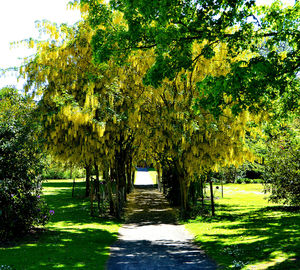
x=87, y=249
x=71, y=240
x=70, y=209
x=259, y=236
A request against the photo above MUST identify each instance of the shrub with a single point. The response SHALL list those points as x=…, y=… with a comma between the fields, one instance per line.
x=257, y=181
x=56, y=170
x=282, y=171
x=239, y=180
x=21, y=208
x=20, y=163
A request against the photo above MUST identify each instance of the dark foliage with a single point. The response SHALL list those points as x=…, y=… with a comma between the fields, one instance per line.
x=20, y=163
x=282, y=171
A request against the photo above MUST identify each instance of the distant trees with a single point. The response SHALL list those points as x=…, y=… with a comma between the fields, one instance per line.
x=21, y=206
x=282, y=164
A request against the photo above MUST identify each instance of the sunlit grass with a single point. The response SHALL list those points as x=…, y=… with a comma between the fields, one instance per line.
x=72, y=240
x=153, y=175
x=248, y=232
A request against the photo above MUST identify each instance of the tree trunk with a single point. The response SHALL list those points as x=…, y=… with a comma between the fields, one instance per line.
x=92, y=198
x=202, y=191
x=158, y=179
x=73, y=187
x=193, y=192
x=71, y=171
x=87, y=183
x=184, y=195
x=211, y=195
x=129, y=176
x=118, y=211
x=121, y=177
x=132, y=177
x=97, y=187
x=222, y=185
x=163, y=181
x=114, y=175
x=108, y=178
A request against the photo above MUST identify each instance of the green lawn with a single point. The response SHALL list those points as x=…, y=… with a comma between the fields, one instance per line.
x=73, y=239
x=153, y=175
x=248, y=232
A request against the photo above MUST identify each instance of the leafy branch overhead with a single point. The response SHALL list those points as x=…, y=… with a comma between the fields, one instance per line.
x=171, y=27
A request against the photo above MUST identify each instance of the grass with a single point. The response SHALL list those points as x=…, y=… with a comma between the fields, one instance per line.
x=248, y=232
x=153, y=175
x=72, y=239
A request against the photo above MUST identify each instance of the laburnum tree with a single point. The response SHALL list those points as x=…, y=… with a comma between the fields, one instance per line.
x=185, y=141
x=61, y=73
x=89, y=113
x=108, y=114
x=171, y=27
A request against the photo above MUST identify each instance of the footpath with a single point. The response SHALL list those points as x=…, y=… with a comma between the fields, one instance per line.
x=151, y=239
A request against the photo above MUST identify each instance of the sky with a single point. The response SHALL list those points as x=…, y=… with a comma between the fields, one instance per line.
x=17, y=22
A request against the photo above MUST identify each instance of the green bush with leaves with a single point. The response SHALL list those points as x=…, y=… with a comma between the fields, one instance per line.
x=282, y=170
x=58, y=170
x=21, y=205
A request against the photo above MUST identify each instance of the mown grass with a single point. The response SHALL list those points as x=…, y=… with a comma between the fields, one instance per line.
x=153, y=175
x=71, y=240
x=248, y=232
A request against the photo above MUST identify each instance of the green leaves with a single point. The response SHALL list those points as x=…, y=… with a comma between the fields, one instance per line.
x=172, y=27
x=208, y=52
x=20, y=164
x=282, y=170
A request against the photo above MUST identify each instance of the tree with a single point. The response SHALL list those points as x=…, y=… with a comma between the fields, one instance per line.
x=89, y=112
x=172, y=27
x=185, y=142
x=282, y=164
x=20, y=164
x=101, y=114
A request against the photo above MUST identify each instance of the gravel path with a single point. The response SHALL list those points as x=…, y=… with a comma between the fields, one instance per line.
x=151, y=238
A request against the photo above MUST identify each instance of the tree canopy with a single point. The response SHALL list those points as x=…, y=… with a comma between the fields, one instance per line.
x=181, y=83
x=171, y=27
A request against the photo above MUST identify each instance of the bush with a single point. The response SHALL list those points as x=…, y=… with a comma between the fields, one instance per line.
x=282, y=171
x=21, y=208
x=20, y=163
x=247, y=181
x=56, y=170
x=257, y=181
x=239, y=180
